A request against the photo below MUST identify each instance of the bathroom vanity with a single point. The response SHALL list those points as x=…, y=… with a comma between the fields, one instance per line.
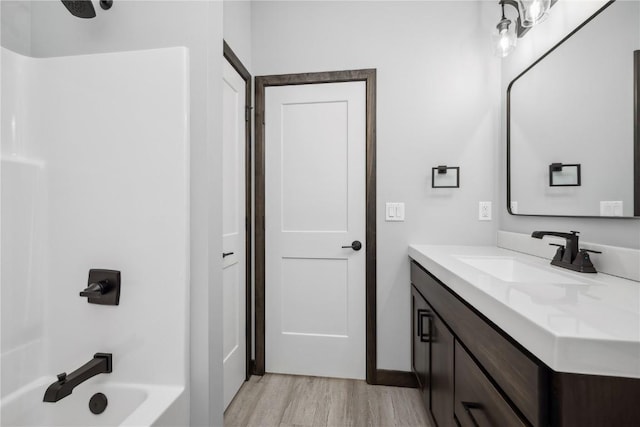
x=503, y=339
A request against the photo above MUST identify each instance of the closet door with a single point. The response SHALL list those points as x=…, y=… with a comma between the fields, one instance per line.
x=233, y=237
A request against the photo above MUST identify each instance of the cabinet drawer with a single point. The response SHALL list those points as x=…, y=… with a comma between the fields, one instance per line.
x=477, y=402
x=520, y=377
x=442, y=369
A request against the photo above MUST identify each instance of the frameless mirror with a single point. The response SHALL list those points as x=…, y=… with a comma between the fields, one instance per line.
x=573, y=141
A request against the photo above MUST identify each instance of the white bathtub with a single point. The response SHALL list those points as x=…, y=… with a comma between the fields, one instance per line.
x=128, y=405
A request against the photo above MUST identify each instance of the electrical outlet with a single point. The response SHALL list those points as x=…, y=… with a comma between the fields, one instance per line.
x=484, y=211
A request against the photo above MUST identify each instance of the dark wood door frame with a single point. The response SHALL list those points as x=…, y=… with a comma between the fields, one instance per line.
x=636, y=133
x=237, y=65
x=368, y=76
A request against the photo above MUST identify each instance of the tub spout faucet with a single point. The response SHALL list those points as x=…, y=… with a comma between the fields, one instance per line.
x=100, y=364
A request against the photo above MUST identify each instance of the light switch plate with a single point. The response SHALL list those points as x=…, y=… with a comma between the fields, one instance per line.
x=484, y=211
x=617, y=208
x=394, y=212
x=611, y=208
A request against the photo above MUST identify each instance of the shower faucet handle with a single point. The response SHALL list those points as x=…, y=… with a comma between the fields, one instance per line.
x=103, y=287
x=95, y=289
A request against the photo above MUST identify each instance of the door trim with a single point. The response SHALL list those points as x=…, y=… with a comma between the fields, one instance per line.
x=262, y=82
x=237, y=65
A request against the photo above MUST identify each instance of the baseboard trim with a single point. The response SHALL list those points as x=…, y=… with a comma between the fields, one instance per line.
x=396, y=378
x=252, y=367
x=383, y=377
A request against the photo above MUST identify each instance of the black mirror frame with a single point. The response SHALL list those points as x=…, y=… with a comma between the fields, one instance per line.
x=636, y=128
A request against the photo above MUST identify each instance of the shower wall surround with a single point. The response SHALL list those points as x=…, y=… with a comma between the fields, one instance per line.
x=95, y=174
x=15, y=26
x=23, y=214
x=197, y=25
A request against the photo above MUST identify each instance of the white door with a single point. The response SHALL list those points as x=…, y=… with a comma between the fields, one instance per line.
x=315, y=149
x=233, y=229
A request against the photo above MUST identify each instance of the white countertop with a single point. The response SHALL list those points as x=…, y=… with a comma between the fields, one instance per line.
x=590, y=324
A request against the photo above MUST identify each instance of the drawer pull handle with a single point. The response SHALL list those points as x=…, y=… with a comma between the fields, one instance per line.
x=468, y=407
x=425, y=336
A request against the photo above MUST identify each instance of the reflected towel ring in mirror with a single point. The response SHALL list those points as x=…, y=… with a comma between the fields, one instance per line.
x=564, y=175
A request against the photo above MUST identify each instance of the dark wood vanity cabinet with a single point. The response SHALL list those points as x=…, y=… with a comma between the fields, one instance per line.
x=477, y=401
x=442, y=380
x=472, y=374
x=432, y=357
x=468, y=355
x=421, y=348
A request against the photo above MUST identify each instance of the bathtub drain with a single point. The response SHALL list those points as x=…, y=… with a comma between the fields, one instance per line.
x=98, y=403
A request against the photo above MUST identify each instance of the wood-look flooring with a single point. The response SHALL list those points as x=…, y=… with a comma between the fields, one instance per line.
x=290, y=400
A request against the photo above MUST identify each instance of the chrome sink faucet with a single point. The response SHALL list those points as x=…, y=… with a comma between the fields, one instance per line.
x=570, y=255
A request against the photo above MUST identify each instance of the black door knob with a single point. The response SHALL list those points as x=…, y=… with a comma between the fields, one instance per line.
x=355, y=245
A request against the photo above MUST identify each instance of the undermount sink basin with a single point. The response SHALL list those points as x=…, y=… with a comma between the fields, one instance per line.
x=509, y=269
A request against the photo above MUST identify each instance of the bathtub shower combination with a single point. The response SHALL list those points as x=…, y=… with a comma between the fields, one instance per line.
x=94, y=239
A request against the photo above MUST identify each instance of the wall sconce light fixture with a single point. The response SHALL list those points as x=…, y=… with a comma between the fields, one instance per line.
x=561, y=175
x=505, y=40
x=445, y=177
x=533, y=12
x=530, y=13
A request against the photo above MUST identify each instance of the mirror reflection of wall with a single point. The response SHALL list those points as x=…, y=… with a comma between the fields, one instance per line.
x=576, y=106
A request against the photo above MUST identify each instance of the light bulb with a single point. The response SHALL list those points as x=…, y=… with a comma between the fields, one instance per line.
x=504, y=40
x=536, y=10
x=533, y=12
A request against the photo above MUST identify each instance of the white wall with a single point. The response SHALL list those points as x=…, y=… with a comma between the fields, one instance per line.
x=237, y=29
x=564, y=17
x=437, y=104
x=15, y=26
x=237, y=33
x=134, y=25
